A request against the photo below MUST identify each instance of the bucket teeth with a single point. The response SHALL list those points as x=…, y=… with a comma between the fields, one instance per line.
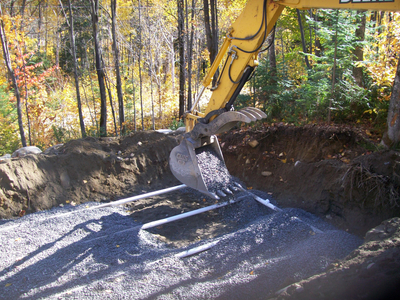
x=255, y=113
x=233, y=188
x=213, y=195
x=238, y=186
x=226, y=121
x=227, y=191
x=221, y=193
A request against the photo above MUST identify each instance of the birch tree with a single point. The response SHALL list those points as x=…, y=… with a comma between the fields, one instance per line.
x=391, y=137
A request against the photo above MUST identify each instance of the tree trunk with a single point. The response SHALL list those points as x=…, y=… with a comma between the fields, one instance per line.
x=317, y=41
x=181, y=27
x=75, y=64
x=88, y=106
x=151, y=68
x=190, y=58
x=99, y=68
x=134, y=96
x=39, y=26
x=391, y=137
x=172, y=65
x=272, y=58
x=211, y=32
x=140, y=68
x=358, y=51
x=333, y=94
x=271, y=67
x=28, y=120
x=310, y=30
x=111, y=104
x=6, y=56
x=117, y=71
x=58, y=46
x=303, y=40
x=214, y=24
x=133, y=83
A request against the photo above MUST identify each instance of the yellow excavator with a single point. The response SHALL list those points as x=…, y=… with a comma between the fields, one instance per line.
x=198, y=161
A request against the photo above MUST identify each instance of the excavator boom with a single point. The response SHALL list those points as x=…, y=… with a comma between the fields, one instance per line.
x=199, y=154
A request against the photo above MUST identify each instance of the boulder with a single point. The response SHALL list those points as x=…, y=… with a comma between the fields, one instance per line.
x=21, y=152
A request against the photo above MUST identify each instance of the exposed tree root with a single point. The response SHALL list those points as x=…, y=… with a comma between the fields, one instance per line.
x=375, y=189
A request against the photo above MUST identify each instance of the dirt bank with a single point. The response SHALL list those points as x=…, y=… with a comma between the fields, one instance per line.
x=85, y=170
x=329, y=171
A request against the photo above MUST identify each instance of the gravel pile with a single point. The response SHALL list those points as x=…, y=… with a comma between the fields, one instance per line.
x=83, y=253
x=213, y=169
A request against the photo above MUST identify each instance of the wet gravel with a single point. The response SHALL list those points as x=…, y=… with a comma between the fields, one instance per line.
x=83, y=253
x=213, y=169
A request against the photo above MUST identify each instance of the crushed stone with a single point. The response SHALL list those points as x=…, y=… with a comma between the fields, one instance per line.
x=213, y=169
x=76, y=253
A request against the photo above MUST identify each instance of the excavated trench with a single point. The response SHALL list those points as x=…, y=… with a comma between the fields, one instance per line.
x=326, y=171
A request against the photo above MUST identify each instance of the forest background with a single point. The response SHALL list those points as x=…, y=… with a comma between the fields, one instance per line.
x=76, y=68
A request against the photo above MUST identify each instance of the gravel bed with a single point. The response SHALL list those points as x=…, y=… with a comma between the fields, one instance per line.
x=83, y=253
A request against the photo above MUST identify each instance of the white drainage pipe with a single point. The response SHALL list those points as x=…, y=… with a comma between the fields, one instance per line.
x=196, y=250
x=262, y=201
x=142, y=196
x=186, y=214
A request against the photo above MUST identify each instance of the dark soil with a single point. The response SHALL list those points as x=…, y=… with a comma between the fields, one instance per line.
x=336, y=173
x=328, y=171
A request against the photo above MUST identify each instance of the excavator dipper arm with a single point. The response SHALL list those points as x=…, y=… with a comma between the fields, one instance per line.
x=199, y=153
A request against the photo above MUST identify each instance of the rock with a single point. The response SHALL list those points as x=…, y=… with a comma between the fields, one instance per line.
x=253, y=143
x=65, y=181
x=298, y=288
x=266, y=173
x=54, y=150
x=25, y=151
x=383, y=231
x=5, y=157
x=165, y=131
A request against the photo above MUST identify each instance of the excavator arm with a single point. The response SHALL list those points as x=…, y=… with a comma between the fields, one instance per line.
x=243, y=43
x=237, y=60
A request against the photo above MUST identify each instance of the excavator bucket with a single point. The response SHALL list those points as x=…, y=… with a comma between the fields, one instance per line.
x=198, y=161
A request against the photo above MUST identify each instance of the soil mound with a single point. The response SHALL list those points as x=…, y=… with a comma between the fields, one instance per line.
x=90, y=169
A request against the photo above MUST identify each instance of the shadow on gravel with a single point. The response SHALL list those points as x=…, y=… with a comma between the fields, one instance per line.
x=96, y=252
x=107, y=257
